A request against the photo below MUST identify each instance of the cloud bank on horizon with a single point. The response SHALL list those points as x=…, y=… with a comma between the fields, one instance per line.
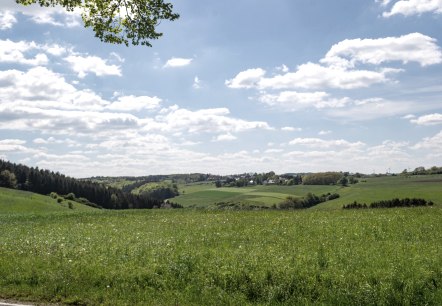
x=211, y=97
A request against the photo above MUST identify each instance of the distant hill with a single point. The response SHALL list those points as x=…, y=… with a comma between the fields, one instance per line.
x=17, y=201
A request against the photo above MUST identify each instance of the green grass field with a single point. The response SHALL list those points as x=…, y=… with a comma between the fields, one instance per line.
x=23, y=202
x=197, y=257
x=368, y=190
x=83, y=256
x=206, y=195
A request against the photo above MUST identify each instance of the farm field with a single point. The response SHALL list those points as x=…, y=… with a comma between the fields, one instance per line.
x=367, y=190
x=203, y=257
x=428, y=187
x=207, y=195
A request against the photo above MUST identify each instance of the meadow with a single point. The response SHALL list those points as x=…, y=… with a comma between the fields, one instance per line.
x=198, y=257
x=207, y=195
x=52, y=254
x=367, y=190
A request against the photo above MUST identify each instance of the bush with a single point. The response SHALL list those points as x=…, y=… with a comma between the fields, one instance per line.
x=70, y=196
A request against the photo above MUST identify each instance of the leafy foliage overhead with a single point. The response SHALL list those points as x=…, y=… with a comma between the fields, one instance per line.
x=118, y=21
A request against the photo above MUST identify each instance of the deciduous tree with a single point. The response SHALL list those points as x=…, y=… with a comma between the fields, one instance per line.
x=118, y=21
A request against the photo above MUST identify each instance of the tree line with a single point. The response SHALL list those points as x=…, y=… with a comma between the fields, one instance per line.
x=44, y=182
x=407, y=202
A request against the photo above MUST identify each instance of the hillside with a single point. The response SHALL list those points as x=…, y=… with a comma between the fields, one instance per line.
x=24, y=202
x=428, y=187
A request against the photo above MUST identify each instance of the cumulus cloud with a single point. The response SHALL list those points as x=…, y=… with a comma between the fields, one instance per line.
x=7, y=20
x=321, y=143
x=16, y=52
x=414, y=7
x=134, y=103
x=55, y=16
x=45, y=89
x=324, y=132
x=414, y=47
x=430, y=143
x=215, y=120
x=293, y=100
x=431, y=119
x=338, y=69
x=249, y=78
x=368, y=109
x=291, y=129
x=178, y=62
x=224, y=137
x=84, y=65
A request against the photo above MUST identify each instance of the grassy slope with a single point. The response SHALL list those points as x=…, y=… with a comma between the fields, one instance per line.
x=191, y=257
x=205, y=195
x=23, y=202
x=428, y=187
x=373, y=189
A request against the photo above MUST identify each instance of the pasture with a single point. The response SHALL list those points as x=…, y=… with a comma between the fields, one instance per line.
x=207, y=195
x=201, y=257
x=23, y=202
x=370, y=189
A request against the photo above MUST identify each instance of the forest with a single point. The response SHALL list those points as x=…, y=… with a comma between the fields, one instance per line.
x=44, y=182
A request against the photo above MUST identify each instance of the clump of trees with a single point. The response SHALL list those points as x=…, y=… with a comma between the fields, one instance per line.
x=407, y=202
x=8, y=179
x=423, y=171
x=308, y=201
x=322, y=178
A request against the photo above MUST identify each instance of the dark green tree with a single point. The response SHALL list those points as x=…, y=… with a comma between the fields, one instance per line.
x=7, y=179
x=118, y=21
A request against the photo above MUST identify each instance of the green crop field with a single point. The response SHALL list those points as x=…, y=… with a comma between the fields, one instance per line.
x=199, y=257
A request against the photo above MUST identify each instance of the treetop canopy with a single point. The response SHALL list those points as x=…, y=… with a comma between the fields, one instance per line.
x=118, y=21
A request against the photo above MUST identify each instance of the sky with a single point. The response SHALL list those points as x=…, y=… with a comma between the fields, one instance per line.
x=233, y=86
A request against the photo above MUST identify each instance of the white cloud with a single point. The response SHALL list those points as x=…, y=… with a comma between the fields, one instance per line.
x=7, y=20
x=224, y=137
x=14, y=146
x=430, y=143
x=414, y=7
x=383, y=2
x=247, y=79
x=216, y=120
x=321, y=143
x=291, y=129
x=55, y=16
x=414, y=47
x=15, y=52
x=324, y=132
x=293, y=101
x=368, y=109
x=178, y=62
x=431, y=119
x=55, y=49
x=84, y=65
x=196, y=83
x=338, y=68
x=45, y=89
x=134, y=103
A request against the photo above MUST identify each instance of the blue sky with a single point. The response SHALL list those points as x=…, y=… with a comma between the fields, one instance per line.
x=231, y=87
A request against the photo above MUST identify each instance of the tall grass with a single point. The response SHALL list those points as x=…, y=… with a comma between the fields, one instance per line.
x=187, y=257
